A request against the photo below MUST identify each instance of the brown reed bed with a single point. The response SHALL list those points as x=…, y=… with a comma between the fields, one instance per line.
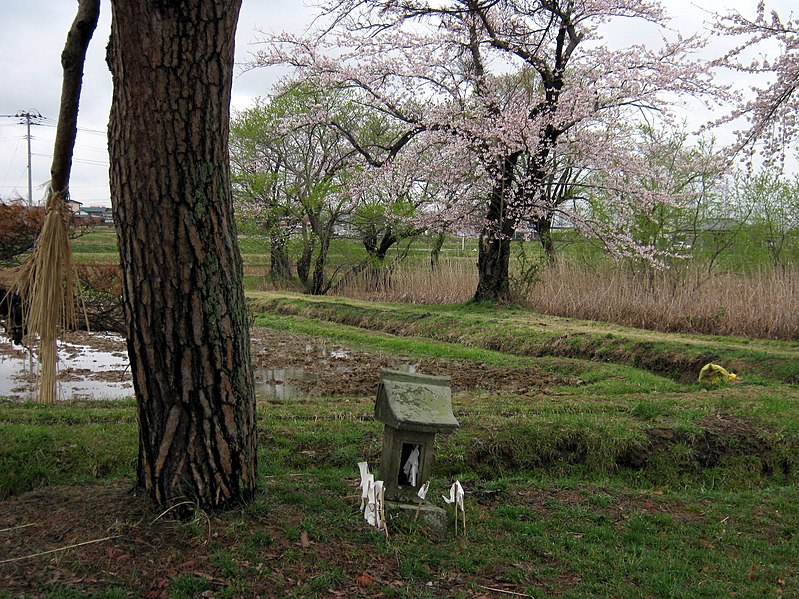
x=685, y=300
x=454, y=281
x=762, y=304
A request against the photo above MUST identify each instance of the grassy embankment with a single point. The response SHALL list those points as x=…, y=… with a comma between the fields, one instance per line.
x=608, y=480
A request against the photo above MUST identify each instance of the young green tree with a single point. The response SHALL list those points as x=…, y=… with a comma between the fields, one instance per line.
x=258, y=176
x=771, y=203
x=291, y=174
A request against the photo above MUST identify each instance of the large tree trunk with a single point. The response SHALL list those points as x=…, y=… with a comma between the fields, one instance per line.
x=493, y=262
x=188, y=340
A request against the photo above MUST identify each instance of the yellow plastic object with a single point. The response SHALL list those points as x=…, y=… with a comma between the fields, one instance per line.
x=712, y=374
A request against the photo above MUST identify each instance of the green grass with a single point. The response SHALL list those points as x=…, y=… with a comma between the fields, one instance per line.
x=621, y=481
x=510, y=330
x=45, y=445
x=550, y=505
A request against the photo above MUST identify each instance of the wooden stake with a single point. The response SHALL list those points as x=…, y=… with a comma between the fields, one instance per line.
x=383, y=510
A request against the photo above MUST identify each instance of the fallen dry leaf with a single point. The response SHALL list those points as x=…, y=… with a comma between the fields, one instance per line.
x=365, y=579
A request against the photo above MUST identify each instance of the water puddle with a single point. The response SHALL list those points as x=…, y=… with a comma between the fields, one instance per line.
x=281, y=384
x=84, y=371
x=95, y=366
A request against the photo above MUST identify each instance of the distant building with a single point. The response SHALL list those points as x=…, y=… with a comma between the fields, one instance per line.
x=102, y=214
x=91, y=215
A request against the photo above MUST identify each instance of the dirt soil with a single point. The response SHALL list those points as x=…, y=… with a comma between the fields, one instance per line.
x=105, y=536
x=94, y=538
x=311, y=366
x=322, y=369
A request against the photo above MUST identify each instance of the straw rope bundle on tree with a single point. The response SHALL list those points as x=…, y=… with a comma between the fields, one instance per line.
x=46, y=282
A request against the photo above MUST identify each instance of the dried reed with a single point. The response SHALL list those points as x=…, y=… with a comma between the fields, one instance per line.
x=453, y=281
x=761, y=304
x=46, y=284
x=685, y=300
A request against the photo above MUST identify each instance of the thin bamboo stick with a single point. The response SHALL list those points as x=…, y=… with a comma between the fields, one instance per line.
x=32, y=555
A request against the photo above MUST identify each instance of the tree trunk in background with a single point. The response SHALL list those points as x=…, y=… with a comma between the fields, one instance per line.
x=279, y=263
x=304, y=262
x=319, y=285
x=435, y=251
x=543, y=228
x=493, y=265
x=493, y=248
x=188, y=341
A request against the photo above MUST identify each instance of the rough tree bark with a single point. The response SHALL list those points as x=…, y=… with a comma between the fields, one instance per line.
x=171, y=62
x=493, y=265
x=493, y=248
x=279, y=263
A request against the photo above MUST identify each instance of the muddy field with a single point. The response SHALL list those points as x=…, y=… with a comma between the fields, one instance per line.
x=91, y=366
x=318, y=368
x=286, y=366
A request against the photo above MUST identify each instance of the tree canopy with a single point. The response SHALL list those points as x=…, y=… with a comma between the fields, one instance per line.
x=504, y=84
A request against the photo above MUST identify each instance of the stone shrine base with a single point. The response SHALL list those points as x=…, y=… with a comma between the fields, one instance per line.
x=429, y=515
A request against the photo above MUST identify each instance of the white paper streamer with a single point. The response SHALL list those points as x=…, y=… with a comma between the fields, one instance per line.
x=366, y=480
x=455, y=499
x=411, y=467
x=422, y=492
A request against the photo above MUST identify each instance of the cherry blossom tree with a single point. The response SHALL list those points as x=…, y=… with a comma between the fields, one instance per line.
x=771, y=113
x=425, y=188
x=503, y=83
x=688, y=177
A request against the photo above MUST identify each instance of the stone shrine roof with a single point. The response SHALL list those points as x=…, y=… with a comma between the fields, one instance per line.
x=412, y=401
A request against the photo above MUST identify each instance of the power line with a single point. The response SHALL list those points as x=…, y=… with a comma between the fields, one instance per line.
x=77, y=160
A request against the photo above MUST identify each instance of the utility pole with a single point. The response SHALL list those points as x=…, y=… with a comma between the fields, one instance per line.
x=30, y=118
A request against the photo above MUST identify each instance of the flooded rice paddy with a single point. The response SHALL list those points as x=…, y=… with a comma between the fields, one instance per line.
x=286, y=367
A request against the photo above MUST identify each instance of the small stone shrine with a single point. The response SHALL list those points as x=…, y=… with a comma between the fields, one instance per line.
x=413, y=407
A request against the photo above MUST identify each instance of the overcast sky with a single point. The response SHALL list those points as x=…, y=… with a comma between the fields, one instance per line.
x=30, y=80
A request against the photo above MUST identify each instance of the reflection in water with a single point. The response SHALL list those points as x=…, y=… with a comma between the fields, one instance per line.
x=279, y=384
x=101, y=370
x=83, y=372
